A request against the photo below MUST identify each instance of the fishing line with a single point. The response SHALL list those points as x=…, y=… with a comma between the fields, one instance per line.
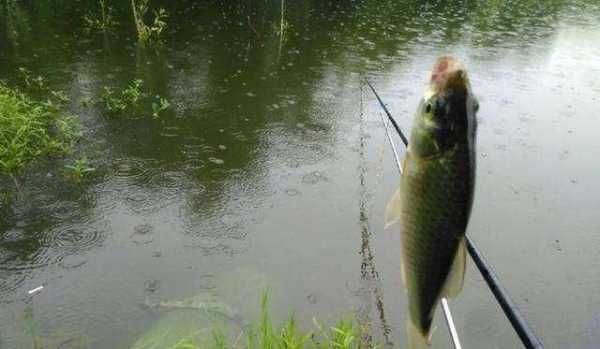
x=369, y=274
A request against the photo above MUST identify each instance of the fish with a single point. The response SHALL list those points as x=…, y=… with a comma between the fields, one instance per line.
x=433, y=201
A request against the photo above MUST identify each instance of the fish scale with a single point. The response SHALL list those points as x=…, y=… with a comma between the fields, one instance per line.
x=432, y=224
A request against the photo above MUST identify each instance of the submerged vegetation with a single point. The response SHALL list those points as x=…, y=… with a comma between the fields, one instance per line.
x=30, y=130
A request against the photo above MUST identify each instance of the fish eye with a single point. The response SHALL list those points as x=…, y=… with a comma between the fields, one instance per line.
x=428, y=108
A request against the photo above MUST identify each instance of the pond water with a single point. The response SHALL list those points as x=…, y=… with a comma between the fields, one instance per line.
x=272, y=159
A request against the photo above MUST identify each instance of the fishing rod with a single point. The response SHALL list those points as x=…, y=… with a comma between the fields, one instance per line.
x=518, y=322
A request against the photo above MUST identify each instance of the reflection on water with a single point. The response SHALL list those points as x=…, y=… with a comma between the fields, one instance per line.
x=271, y=158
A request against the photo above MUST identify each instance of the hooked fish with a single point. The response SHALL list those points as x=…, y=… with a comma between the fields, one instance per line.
x=434, y=199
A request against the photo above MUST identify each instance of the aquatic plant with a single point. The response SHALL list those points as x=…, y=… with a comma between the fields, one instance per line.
x=283, y=29
x=283, y=23
x=104, y=22
x=79, y=169
x=159, y=105
x=31, y=81
x=30, y=130
x=130, y=98
x=132, y=93
x=86, y=102
x=112, y=100
x=60, y=96
x=148, y=34
x=119, y=101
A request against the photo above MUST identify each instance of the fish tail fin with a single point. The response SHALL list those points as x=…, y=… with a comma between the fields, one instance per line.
x=456, y=277
x=392, y=210
x=416, y=338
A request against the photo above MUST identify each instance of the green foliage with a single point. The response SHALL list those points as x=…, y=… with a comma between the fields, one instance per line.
x=86, y=101
x=31, y=81
x=112, y=100
x=104, y=22
x=79, y=169
x=60, y=96
x=30, y=130
x=119, y=101
x=132, y=93
x=187, y=331
x=149, y=34
x=345, y=335
x=161, y=104
x=130, y=98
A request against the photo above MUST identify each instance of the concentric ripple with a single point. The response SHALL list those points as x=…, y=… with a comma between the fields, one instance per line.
x=129, y=168
x=168, y=183
x=72, y=239
x=170, y=180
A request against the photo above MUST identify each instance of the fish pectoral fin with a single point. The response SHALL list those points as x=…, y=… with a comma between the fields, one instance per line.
x=456, y=277
x=392, y=210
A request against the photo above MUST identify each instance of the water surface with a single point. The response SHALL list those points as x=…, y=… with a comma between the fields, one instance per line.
x=272, y=160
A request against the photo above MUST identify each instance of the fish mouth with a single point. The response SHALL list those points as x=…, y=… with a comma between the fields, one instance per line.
x=448, y=76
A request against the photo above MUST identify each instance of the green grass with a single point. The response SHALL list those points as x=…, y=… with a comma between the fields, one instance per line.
x=265, y=335
x=128, y=98
x=78, y=170
x=30, y=130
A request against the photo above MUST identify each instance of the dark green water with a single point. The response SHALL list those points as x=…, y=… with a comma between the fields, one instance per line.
x=273, y=160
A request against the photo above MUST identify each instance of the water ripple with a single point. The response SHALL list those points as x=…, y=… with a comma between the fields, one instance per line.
x=169, y=180
x=72, y=239
x=12, y=281
x=129, y=168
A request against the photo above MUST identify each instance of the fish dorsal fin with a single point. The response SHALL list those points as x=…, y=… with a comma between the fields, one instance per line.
x=456, y=276
x=392, y=210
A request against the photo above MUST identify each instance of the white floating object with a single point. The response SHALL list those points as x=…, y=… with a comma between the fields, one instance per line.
x=35, y=290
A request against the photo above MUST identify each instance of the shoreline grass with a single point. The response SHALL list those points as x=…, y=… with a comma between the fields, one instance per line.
x=263, y=334
x=30, y=130
x=346, y=334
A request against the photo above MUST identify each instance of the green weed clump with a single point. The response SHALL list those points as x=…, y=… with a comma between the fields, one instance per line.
x=161, y=104
x=103, y=22
x=31, y=81
x=79, y=169
x=120, y=101
x=30, y=130
x=149, y=34
x=264, y=335
x=130, y=98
